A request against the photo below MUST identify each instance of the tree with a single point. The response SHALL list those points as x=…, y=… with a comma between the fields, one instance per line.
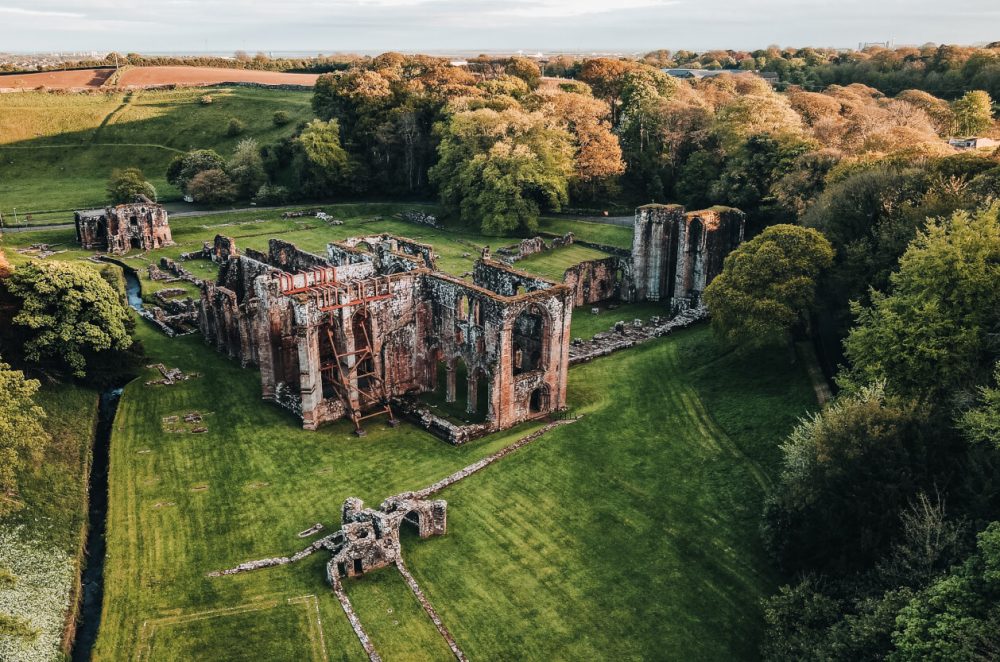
x=246, y=168
x=183, y=168
x=847, y=474
x=932, y=335
x=126, y=185
x=755, y=114
x=323, y=164
x=768, y=285
x=956, y=617
x=68, y=313
x=525, y=69
x=22, y=437
x=973, y=113
x=981, y=424
x=607, y=78
x=501, y=169
x=212, y=187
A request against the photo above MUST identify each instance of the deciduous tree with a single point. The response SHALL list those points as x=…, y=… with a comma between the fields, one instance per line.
x=67, y=312
x=768, y=285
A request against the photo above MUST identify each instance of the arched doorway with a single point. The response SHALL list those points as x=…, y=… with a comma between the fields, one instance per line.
x=539, y=400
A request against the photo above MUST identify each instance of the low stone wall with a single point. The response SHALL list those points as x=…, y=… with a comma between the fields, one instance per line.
x=629, y=334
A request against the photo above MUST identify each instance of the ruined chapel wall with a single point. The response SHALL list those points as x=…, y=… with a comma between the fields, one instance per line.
x=598, y=280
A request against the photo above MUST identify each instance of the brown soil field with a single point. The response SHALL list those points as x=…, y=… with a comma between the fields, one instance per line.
x=151, y=77
x=58, y=80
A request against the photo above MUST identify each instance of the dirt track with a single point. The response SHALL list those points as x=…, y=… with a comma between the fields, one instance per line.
x=85, y=79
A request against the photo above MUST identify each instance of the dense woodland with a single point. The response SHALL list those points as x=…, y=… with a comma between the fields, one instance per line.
x=868, y=234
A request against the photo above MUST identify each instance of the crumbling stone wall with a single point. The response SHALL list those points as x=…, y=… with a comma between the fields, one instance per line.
x=141, y=225
x=387, y=320
x=599, y=280
x=675, y=255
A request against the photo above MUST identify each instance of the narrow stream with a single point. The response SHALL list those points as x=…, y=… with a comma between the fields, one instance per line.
x=89, y=619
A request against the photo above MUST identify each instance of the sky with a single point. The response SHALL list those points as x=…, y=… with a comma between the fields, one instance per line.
x=330, y=26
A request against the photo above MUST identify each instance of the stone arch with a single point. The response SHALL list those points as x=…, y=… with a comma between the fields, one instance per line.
x=529, y=340
x=538, y=401
x=412, y=521
x=462, y=308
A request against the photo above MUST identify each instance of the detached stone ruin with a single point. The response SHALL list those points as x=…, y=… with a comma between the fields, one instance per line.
x=675, y=255
x=141, y=225
x=373, y=324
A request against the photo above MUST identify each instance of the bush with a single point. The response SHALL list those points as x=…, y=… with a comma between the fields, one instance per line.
x=235, y=127
x=212, y=187
x=271, y=194
x=281, y=118
x=206, y=100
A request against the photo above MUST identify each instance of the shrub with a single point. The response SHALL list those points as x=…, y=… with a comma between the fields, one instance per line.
x=271, y=194
x=206, y=100
x=212, y=187
x=235, y=127
x=281, y=118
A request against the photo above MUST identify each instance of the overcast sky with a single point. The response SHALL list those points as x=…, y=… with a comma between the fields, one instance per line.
x=442, y=25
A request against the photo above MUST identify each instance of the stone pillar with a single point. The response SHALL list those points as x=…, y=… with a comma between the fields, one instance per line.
x=651, y=240
x=473, y=392
x=449, y=391
x=311, y=381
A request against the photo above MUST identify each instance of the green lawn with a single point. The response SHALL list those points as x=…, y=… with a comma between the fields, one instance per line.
x=586, y=323
x=598, y=233
x=58, y=150
x=629, y=534
x=553, y=264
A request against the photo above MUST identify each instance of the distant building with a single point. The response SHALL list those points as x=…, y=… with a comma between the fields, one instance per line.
x=973, y=143
x=142, y=224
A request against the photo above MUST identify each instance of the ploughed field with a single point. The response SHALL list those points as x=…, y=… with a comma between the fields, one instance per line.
x=58, y=151
x=631, y=533
x=92, y=79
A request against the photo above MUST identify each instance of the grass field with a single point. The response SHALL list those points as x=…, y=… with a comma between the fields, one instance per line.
x=598, y=233
x=58, y=150
x=629, y=534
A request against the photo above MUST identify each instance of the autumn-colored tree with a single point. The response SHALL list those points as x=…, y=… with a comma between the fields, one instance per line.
x=607, y=79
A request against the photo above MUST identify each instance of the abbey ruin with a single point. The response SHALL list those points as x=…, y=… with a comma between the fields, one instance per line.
x=373, y=322
x=675, y=255
x=118, y=229
x=373, y=325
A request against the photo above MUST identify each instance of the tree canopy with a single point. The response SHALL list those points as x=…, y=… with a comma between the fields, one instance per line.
x=22, y=437
x=768, y=285
x=67, y=313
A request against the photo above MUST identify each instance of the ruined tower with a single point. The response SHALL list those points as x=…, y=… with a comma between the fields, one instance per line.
x=141, y=225
x=675, y=255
